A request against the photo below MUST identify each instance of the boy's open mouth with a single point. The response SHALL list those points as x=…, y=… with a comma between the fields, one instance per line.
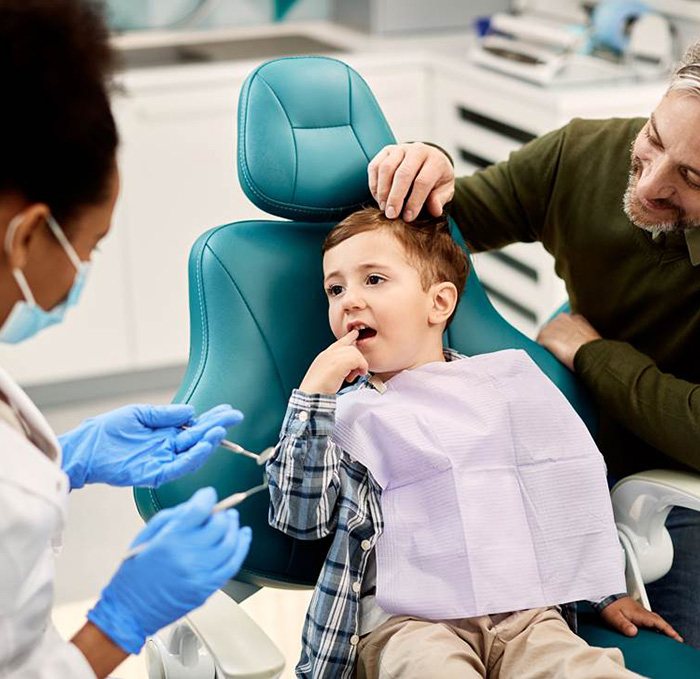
x=366, y=333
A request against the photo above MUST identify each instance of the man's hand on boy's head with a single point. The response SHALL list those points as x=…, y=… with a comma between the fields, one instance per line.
x=405, y=177
x=340, y=362
x=626, y=616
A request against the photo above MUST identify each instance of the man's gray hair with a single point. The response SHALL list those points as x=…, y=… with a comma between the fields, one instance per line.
x=686, y=77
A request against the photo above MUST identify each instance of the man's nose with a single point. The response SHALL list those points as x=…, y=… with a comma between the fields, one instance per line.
x=657, y=181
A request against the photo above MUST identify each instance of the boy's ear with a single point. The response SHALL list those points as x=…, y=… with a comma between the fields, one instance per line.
x=444, y=301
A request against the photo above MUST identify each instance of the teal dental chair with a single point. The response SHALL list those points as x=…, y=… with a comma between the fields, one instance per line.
x=307, y=129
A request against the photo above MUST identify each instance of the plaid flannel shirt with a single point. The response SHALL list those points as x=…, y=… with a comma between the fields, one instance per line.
x=317, y=489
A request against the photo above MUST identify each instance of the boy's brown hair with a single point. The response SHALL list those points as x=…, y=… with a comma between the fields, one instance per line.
x=426, y=241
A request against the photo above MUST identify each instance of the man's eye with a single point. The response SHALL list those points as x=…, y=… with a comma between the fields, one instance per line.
x=692, y=184
x=653, y=140
x=374, y=279
x=334, y=290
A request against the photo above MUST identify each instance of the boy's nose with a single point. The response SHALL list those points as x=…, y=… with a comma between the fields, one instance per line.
x=352, y=299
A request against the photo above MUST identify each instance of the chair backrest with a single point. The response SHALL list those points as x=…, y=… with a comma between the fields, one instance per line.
x=258, y=314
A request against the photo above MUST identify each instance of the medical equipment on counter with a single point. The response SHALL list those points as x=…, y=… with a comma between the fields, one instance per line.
x=546, y=51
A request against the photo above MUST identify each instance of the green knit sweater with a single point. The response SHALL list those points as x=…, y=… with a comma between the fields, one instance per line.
x=642, y=295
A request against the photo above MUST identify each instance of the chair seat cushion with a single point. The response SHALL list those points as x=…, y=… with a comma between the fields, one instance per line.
x=649, y=653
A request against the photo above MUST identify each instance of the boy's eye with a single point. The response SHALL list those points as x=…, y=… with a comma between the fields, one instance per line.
x=374, y=279
x=334, y=290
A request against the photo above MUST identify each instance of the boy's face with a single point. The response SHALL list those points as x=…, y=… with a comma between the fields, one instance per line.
x=371, y=286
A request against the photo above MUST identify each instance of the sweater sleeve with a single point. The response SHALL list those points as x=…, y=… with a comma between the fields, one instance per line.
x=661, y=409
x=508, y=202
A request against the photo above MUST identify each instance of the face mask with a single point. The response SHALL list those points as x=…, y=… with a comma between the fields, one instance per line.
x=27, y=318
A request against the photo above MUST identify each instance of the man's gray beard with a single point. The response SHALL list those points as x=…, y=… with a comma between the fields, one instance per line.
x=635, y=213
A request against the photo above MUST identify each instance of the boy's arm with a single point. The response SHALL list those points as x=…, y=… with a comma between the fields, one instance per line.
x=304, y=471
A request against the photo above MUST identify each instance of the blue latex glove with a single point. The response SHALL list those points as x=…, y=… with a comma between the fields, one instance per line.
x=143, y=445
x=190, y=554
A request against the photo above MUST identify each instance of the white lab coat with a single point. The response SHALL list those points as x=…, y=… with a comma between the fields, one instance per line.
x=33, y=495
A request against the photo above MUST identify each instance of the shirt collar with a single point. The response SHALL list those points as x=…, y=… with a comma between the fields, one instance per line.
x=692, y=239
x=376, y=383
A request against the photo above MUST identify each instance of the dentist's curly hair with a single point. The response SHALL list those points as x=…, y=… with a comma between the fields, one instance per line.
x=58, y=138
x=427, y=242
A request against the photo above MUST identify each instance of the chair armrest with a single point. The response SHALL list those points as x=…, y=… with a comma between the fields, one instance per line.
x=641, y=503
x=239, y=647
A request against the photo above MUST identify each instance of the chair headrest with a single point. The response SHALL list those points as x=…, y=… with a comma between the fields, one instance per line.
x=306, y=132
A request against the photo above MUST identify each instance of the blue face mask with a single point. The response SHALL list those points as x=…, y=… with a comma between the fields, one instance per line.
x=27, y=318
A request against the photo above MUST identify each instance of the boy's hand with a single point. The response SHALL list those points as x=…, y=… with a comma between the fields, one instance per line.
x=341, y=361
x=626, y=615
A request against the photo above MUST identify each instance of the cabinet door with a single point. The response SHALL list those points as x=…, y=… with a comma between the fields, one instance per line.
x=401, y=90
x=93, y=339
x=479, y=128
x=179, y=180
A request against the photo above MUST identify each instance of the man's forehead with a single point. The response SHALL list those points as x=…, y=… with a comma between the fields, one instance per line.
x=677, y=118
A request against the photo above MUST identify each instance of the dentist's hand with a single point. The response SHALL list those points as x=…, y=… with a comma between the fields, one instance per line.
x=190, y=554
x=404, y=177
x=143, y=445
x=342, y=361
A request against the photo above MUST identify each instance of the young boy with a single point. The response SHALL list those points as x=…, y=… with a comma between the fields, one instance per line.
x=467, y=500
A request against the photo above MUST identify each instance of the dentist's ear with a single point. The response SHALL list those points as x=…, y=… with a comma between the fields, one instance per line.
x=20, y=231
x=444, y=300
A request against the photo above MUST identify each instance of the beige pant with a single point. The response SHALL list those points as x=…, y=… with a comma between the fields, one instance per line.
x=528, y=644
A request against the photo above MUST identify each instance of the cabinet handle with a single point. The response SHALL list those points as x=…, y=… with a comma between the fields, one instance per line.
x=516, y=264
x=518, y=308
x=495, y=125
x=473, y=158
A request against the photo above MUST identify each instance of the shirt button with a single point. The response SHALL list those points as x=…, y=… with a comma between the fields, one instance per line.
x=303, y=416
x=354, y=640
x=365, y=544
x=356, y=586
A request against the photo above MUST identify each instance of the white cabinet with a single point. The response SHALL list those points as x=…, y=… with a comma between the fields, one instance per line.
x=179, y=179
x=481, y=118
x=403, y=91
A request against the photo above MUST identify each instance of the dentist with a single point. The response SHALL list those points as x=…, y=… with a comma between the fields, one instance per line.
x=58, y=187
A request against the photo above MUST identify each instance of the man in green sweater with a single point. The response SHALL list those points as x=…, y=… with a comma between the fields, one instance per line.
x=617, y=203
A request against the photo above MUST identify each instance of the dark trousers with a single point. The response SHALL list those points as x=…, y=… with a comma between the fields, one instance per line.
x=676, y=596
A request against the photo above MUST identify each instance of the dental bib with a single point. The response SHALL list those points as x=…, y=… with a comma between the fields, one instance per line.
x=494, y=495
